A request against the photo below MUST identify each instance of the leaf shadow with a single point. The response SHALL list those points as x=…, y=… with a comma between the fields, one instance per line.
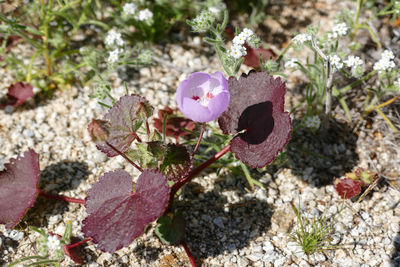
x=320, y=157
x=62, y=176
x=215, y=227
x=395, y=258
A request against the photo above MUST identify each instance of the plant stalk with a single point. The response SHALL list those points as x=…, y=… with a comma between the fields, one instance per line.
x=203, y=126
x=188, y=253
x=175, y=188
x=59, y=197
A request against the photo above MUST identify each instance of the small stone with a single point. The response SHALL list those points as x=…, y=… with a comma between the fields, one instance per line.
x=255, y=256
x=218, y=222
x=243, y=262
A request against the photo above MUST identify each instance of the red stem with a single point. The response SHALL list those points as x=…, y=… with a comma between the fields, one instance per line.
x=203, y=126
x=78, y=243
x=124, y=156
x=196, y=171
x=59, y=197
x=190, y=256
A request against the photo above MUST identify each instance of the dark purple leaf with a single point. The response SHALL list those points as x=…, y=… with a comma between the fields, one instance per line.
x=99, y=132
x=252, y=57
x=256, y=110
x=116, y=214
x=177, y=162
x=171, y=229
x=18, y=187
x=125, y=119
x=174, y=124
x=18, y=93
x=347, y=187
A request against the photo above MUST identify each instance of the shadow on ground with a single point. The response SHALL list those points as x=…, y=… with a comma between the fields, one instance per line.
x=214, y=226
x=395, y=259
x=320, y=157
x=62, y=176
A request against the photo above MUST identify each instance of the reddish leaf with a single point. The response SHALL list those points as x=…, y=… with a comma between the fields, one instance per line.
x=125, y=119
x=116, y=215
x=347, y=187
x=256, y=108
x=252, y=57
x=74, y=250
x=177, y=162
x=18, y=184
x=174, y=125
x=18, y=93
x=99, y=132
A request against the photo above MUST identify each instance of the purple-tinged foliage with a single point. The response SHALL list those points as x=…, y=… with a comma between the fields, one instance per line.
x=116, y=214
x=203, y=97
x=18, y=93
x=18, y=187
x=99, y=132
x=124, y=119
x=177, y=162
x=348, y=188
x=256, y=111
x=172, y=160
x=174, y=124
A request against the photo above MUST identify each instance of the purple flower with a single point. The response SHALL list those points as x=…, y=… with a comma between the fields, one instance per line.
x=203, y=97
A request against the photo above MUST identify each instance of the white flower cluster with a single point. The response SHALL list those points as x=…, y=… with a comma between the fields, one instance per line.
x=202, y=22
x=238, y=50
x=353, y=61
x=114, y=55
x=129, y=8
x=312, y=122
x=144, y=15
x=53, y=243
x=336, y=61
x=386, y=62
x=339, y=29
x=113, y=38
x=301, y=38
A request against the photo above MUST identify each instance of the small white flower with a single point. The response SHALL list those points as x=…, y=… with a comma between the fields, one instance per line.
x=312, y=122
x=237, y=51
x=384, y=64
x=336, y=62
x=114, y=56
x=144, y=14
x=301, y=38
x=214, y=10
x=239, y=40
x=340, y=29
x=387, y=54
x=53, y=243
x=247, y=33
x=353, y=61
x=129, y=8
x=332, y=35
x=113, y=37
x=291, y=64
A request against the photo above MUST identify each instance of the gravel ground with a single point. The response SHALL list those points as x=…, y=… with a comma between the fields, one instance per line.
x=226, y=225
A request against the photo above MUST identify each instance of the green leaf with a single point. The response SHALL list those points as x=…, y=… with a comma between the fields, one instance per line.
x=171, y=229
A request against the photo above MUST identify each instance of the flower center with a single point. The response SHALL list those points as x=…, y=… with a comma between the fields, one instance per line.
x=203, y=100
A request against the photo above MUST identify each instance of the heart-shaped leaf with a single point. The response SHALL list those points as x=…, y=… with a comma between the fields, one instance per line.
x=125, y=119
x=18, y=187
x=18, y=93
x=256, y=114
x=116, y=214
x=171, y=229
x=348, y=188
